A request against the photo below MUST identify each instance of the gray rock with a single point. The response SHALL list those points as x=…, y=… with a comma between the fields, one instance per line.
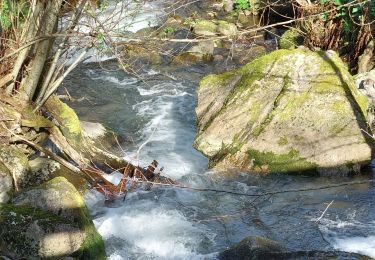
x=61, y=226
x=214, y=27
x=254, y=248
x=288, y=111
x=32, y=233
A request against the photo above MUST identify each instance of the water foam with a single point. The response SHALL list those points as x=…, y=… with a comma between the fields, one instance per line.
x=343, y=235
x=155, y=230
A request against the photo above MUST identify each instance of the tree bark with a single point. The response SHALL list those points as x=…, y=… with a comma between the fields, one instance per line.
x=47, y=25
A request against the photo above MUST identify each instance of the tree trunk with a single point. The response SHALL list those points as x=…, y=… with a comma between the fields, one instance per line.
x=30, y=82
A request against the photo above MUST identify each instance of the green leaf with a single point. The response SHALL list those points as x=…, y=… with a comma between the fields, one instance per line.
x=337, y=2
x=355, y=10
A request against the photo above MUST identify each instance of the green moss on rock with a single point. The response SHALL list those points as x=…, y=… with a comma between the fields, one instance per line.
x=290, y=39
x=16, y=228
x=59, y=197
x=205, y=27
x=288, y=162
x=281, y=103
x=69, y=123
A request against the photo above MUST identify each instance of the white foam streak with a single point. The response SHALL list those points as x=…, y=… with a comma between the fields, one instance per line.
x=341, y=235
x=360, y=245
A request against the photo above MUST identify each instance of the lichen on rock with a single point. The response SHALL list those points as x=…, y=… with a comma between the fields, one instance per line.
x=307, y=98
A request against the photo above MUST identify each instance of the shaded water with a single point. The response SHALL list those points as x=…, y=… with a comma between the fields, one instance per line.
x=167, y=223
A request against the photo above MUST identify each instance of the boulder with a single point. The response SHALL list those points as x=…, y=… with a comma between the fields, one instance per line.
x=190, y=58
x=288, y=111
x=43, y=169
x=227, y=29
x=203, y=51
x=61, y=226
x=253, y=248
x=205, y=47
x=243, y=55
x=31, y=233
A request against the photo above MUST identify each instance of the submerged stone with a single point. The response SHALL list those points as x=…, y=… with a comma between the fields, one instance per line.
x=288, y=111
x=254, y=248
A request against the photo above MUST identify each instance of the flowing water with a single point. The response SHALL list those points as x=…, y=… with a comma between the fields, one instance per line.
x=156, y=113
x=171, y=223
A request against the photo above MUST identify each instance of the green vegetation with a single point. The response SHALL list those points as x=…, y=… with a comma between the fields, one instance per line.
x=12, y=13
x=342, y=25
x=168, y=30
x=242, y=4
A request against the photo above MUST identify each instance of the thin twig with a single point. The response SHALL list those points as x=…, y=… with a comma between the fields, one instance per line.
x=321, y=216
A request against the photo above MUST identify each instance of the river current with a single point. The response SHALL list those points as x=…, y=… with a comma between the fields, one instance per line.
x=155, y=112
x=171, y=223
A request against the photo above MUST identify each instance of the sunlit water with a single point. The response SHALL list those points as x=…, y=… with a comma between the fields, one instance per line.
x=170, y=223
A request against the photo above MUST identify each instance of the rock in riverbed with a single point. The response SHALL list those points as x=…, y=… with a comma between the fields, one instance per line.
x=288, y=111
x=254, y=248
x=49, y=221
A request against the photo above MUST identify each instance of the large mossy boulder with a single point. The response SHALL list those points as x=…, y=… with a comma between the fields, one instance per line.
x=288, y=111
x=50, y=221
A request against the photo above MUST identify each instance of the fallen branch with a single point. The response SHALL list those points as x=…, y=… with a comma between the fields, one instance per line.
x=324, y=212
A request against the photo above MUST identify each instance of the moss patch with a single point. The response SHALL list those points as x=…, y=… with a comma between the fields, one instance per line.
x=14, y=222
x=69, y=123
x=93, y=246
x=290, y=39
x=31, y=119
x=289, y=162
x=283, y=141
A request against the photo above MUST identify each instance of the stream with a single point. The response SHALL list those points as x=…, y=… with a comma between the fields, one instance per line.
x=172, y=223
x=154, y=115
